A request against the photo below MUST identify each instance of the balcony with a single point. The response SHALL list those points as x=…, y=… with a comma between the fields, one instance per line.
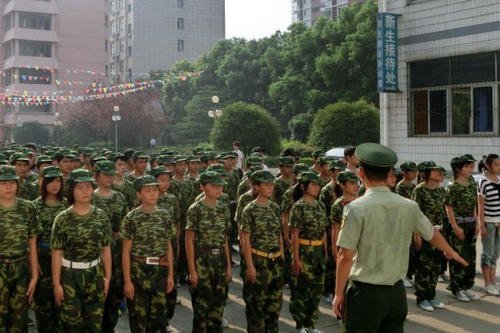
x=30, y=34
x=25, y=61
x=47, y=7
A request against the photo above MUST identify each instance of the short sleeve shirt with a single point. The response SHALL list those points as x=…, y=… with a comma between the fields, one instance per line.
x=462, y=198
x=170, y=203
x=17, y=226
x=81, y=237
x=379, y=227
x=431, y=202
x=264, y=225
x=149, y=232
x=243, y=200
x=405, y=189
x=115, y=205
x=210, y=224
x=309, y=218
x=45, y=215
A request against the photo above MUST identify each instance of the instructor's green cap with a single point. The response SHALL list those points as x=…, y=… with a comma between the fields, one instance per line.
x=146, y=180
x=347, y=176
x=408, y=166
x=212, y=177
x=8, y=172
x=375, y=154
x=80, y=175
x=51, y=171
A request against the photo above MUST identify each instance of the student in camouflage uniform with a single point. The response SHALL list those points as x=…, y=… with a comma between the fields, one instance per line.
x=208, y=256
x=405, y=189
x=47, y=206
x=140, y=162
x=81, y=250
x=429, y=196
x=461, y=208
x=62, y=159
x=263, y=251
x=285, y=180
x=18, y=255
x=308, y=229
x=28, y=189
x=228, y=159
x=148, y=264
x=120, y=183
x=115, y=205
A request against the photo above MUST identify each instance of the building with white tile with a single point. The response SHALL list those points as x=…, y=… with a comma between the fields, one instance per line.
x=448, y=72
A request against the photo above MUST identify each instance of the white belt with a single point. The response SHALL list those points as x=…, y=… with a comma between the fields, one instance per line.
x=80, y=265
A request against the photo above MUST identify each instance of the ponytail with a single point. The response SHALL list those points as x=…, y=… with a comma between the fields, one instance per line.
x=486, y=162
x=298, y=191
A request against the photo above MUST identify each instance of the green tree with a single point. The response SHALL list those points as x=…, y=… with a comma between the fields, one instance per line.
x=345, y=123
x=32, y=131
x=300, y=125
x=251, y=125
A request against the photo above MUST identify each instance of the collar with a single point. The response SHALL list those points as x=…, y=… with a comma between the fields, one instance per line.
x=381, y=188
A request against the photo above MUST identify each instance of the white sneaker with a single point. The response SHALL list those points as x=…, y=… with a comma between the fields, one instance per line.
x=492, y=290
x=437, y=303
x=461, y=296
x=407, y=283
x=425, y=305
x=225, y=323
x=472, y=295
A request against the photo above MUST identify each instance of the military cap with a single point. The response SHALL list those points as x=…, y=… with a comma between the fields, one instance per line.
x=106, y=167
x=228, y=154
x=253, y=159
x=96, y=158
x=146, y=180
x=18, y=157
x=375, y=154
x=309, y=176
x=408, y=166
x=262, y=176
x=160, y=170
x=117, y=156
x=128, y=153
x=252, y=169
x=88, y=151
x=166, y=159
x=317, y=153
x=167, y=151
x=299, y=168
x=139, y=154
x=8, y=172
x=80, y=175
x=208, y=155
x=427, y=165
x=154, y=157
x=212, y=177
x=193, y=158
x=180, y=158
x=43, y=159
x=219, y=169
x=322, y=160
x=197, y=150
x=64, y=153
x=468, y=158
x=51, y=171
x=4, y=161
x=336, y=165
x=286, y=161
x=347, y=176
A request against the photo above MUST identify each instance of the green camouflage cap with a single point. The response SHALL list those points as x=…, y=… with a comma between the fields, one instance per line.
x=198, y=150
x=208, y=155
x=154, y=157
x=468, y=158
x=167, y=151
x=375, y=154
x=80, y=176
x=299, y=168
x=212, y=177
x=128, y=153
x=336, y=165
x=262, y=176
x=317, y=153
x=286, y=161
x=253, y=169
x=253, y=159
x=51, y=171
x=146, y=180
x=347, y=176
x=322, y=160
x=180, y=158
x=139, y=154
x=8, y=172
x=427, y=165
x=43, y=159
x=219, y=169
x=96, y=158
x=193, y=158
x=18, y=157
x=106, y=167
x=228, y=154
x=408, y=166
x=88, y=151
x=160, y=170
x=117, y=156
x=4, y=161
x=166, y=159
x=309, y=176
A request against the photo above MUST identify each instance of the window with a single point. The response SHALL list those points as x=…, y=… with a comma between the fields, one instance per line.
x=129, y=7
x=180, y=45
x=34, y=76
x=35, y=21
x=483, y=109
x=121, y=45
x=429, y=73
x=113, y=49
x=180, y=23
x=121, y=66
x=7, y=77
x=106, y=45
x=460, y=110
x=420, y=112
x=129, y=51
x=8, y=49
x=120, y=4
x=129, y=28
x=35, y=49
x=437, y=111
x=8, y=22
x=106, y=20
x=473, y=68
x=121, y=23
x=180, y=3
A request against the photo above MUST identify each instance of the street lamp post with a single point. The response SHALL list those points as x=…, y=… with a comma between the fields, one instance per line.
x=116, y=118
x=57, y=126
x=217, y=112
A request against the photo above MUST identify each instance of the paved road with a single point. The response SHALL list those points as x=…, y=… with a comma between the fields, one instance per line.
x=479, y=316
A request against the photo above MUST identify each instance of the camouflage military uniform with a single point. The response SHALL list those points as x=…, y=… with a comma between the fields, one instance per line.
x=307, y=288
x=210, y=227
x=231, y=189
x=243, y=186
x=263, y=298
x=149, y=233
x=327, y=197
x=81, y=238
x=115, y=205
x=127, y=189
x=46, y=311
x=28, y=190
x=428, y=263
x=17, y=225
x=463, y=199
x=280, y=186
x=286, y=206
x=405, y=190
